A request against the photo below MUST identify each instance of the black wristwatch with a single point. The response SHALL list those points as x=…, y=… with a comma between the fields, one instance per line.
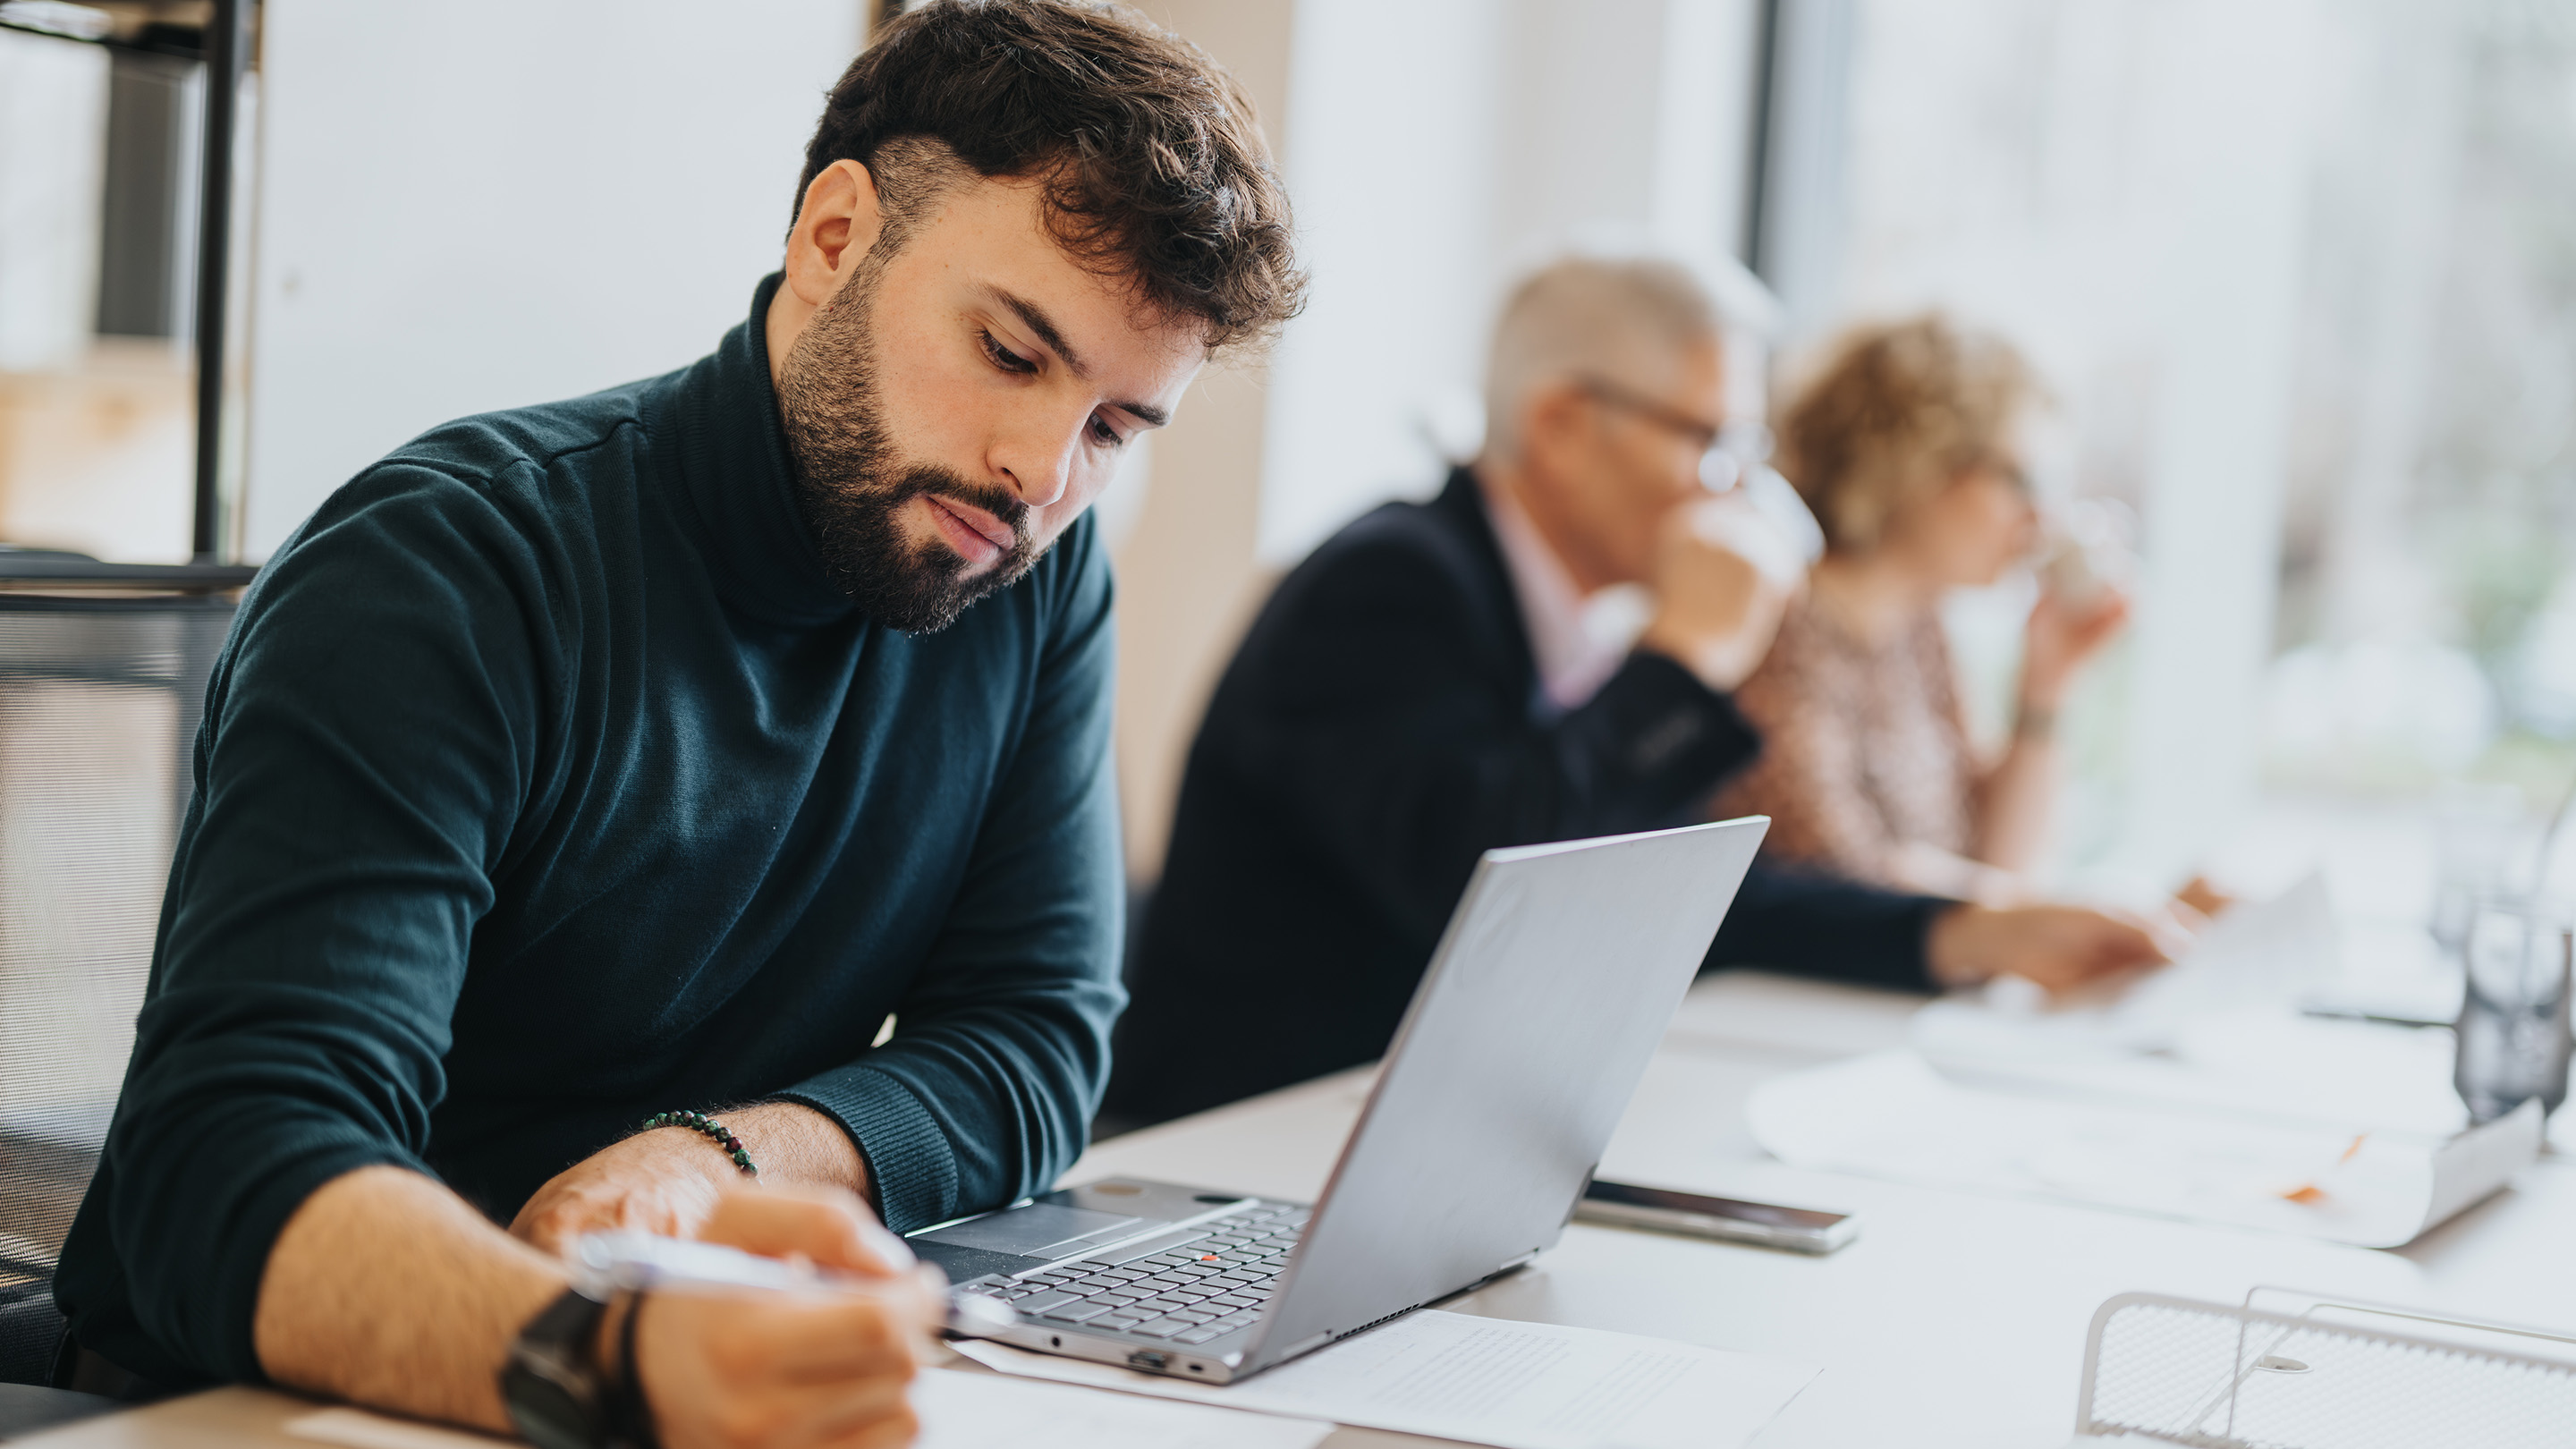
x=555, y=1388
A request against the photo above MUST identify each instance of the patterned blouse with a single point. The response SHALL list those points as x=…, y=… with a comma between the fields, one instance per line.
x=1865, y=753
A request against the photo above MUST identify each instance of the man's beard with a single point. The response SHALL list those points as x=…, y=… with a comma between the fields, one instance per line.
x=852, y=484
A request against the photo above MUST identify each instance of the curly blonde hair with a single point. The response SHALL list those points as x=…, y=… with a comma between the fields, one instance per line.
x=1894, y=412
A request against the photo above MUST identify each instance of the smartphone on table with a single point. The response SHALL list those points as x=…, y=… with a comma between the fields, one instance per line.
x=1726, y=1219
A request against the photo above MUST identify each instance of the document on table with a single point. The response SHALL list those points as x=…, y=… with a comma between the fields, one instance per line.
x=1489, y=1381
x=2259, y=958
x=1891, y=1115
x=993, y=1411
x=2252, y=1063
x=959, y=1410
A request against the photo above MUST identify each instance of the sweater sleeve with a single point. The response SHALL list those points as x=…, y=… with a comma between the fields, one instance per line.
x=1001, y=1047
x=1819, y=925
x=366, y=733
x=1381, y=735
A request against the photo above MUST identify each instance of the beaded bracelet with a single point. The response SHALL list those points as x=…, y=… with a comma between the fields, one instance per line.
x=708, y=1127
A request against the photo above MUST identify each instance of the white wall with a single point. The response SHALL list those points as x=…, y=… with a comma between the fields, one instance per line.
x=486, y=203
x=1434, y=148
x=1389, y=158
x=1705, y=127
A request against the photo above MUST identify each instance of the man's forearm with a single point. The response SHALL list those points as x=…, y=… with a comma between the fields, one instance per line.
x=387, y=1288
x=791, y=1142
x=668, y=1179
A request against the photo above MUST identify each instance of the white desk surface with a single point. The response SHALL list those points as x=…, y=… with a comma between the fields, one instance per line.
x=1954, y=1320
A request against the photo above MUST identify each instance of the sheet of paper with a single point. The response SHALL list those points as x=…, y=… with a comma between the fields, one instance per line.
x=358, y=1429
x=1490, y=1381
x=2257, y=1062
x=2220, y=1031
x=1891, y=1115
x=959, y=1410
x=2261, y=955
x=994, y=1411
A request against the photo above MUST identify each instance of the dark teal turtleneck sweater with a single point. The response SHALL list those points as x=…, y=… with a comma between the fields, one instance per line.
x=545, y=784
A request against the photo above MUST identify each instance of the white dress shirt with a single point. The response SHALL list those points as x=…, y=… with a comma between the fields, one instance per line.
x=1579, y=639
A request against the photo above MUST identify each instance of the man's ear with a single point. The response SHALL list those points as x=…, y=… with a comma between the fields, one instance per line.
x=837, y=224
x=1553, y=420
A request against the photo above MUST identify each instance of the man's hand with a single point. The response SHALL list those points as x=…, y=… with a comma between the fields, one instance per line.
x=668, y=1180
x=387, y=1289
x=2059, y=947
x=825, y=1369
x=1722, y=577
x=665, y=1181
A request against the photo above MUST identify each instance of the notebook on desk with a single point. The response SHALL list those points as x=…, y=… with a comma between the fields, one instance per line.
x=1556, y=977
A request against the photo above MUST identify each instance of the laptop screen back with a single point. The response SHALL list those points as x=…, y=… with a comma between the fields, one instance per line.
x=1560, y=970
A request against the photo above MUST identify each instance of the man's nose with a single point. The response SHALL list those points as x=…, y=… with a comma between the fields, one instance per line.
x=1039, y=467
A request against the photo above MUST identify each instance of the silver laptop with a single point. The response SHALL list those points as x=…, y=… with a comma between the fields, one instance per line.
x=1560, y=970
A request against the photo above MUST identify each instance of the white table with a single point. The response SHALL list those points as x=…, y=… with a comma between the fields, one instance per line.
x=1954, y=1320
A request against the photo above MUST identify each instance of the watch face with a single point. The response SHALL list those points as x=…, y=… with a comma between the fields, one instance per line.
x=549, y=1414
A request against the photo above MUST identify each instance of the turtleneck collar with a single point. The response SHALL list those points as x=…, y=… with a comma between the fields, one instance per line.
x=721, y=414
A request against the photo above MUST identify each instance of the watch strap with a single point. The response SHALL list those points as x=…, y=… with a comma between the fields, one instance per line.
x=630, y=1417
x=552, y=1384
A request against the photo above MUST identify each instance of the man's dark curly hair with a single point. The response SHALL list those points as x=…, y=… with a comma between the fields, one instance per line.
x=1154, y=165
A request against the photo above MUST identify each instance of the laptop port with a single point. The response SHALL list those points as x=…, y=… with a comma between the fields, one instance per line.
x=1146, y=1358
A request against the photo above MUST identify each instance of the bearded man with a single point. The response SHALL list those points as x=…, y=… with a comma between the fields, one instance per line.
x=603, y=802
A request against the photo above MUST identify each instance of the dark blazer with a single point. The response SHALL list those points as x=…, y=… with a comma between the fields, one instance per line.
x=1381, y=727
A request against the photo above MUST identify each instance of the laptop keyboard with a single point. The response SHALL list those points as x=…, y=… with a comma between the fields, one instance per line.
x=1202, y=1290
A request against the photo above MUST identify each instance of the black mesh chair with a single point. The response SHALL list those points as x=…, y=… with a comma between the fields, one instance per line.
x=102, y=679
x=99, y=703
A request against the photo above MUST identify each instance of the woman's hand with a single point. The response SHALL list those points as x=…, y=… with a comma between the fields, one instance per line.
x=2060, y=637
x=2203, y=897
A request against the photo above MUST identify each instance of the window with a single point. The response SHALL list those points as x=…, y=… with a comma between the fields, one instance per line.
x=2304, y=280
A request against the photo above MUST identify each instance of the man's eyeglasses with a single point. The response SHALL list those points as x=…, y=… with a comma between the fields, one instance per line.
x=1726, y=451
x=1702, y=434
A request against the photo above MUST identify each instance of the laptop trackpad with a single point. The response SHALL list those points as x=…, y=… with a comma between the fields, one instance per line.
x=1037, y=1230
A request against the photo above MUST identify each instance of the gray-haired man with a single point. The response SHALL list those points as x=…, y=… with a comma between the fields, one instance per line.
x=1428, y=686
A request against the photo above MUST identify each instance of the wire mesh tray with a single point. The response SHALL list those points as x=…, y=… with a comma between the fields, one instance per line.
x=2321, y=1374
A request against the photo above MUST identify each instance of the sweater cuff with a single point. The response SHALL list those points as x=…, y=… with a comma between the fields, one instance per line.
x=264, y=1216
x=912, y=1170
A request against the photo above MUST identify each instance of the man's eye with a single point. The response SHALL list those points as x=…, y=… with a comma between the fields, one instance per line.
x=1003, y=357
x=1103, y=434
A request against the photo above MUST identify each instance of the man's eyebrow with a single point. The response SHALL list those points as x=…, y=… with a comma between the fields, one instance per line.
x=1034, y=317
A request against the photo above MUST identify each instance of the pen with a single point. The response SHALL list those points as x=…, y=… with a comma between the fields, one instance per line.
x=626, y=1262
